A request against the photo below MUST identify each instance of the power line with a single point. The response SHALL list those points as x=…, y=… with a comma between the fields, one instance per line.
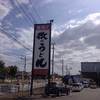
x=21, y=13
x=2, y=52
x=13, y=16
x=35, y=11
x=14, y=39
x=24, y=12
x=5, y=53
x=31, y=15
x=11, y=53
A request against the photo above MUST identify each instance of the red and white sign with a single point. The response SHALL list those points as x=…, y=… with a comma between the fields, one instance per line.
x=42, y=38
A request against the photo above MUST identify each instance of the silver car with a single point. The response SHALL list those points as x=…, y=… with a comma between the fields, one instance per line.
x=85, y=84
x=77, y=87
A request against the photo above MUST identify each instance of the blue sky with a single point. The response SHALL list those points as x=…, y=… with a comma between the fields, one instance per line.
x=75, y=30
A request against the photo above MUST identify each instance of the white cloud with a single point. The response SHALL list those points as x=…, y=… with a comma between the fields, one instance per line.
x=79, y=11
x=76, y=41
x=80, y=42
x=5, y=8
x=8, y=46
x=75, y=11
x=26, y=36
x=70, y=11
x=71, y=21
x=48, y=1
x=23, y=1
x=19, y=16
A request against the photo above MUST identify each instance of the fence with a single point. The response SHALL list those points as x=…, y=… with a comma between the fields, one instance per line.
x=15, y=91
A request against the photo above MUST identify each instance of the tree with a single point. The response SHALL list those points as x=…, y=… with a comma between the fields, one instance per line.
x=2, y=70
x=12, y=70
x=8, y=71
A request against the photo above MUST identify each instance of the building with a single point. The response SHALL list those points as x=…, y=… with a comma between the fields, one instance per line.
x=91, y=70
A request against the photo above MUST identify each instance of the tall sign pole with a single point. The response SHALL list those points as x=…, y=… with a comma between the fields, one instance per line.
x=41, y=51
x=31, y=89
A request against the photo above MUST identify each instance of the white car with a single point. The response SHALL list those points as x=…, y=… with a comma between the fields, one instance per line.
x=85, y=84
x=77, y=87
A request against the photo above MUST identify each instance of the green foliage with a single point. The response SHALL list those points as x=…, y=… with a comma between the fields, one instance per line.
x=12, y=70
x=9, y=71
x=1, y=67
x=2, y=70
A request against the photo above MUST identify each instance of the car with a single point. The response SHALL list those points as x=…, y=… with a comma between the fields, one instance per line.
x=77, y=87
x=93, y=85
x=85, y=84
x=56, y=88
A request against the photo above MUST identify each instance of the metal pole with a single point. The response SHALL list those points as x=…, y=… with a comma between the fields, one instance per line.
x=23, y=73
x=53, y=59
x=25, y=65
x=69, y=71
x=31, y=89
x=18, y=81
x=66, y=70
x=51, y=21
x=62, y=66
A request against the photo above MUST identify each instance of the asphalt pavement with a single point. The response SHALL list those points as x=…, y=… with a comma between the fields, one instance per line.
x=85, y=94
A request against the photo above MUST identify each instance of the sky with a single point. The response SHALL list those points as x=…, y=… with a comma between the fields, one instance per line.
x=75, y=31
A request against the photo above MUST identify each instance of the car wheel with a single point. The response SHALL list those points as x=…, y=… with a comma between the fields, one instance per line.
x=59, y=93
x=47, y=93
x=68, y=92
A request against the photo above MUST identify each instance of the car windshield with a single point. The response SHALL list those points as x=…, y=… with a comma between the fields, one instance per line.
x=93, y=83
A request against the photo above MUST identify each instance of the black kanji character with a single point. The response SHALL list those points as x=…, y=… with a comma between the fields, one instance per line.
x=42, y=48
x=41, y=54
x=39, y=62
x=42, y=35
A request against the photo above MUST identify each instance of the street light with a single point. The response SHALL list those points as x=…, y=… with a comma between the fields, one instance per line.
x=24, y=58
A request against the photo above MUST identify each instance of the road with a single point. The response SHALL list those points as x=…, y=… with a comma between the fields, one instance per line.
x=85, y=94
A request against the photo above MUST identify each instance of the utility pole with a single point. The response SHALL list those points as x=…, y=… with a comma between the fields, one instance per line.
x=50, y=21
x=69, y=71
x=25, y=65
x=62, y=61
x=66, y=70
x=53, y=59
x=23, y=73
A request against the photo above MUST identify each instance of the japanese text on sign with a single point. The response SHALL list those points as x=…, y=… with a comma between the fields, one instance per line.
x=41, y=52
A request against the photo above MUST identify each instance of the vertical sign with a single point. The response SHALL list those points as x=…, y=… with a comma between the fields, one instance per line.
x=42, y=36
